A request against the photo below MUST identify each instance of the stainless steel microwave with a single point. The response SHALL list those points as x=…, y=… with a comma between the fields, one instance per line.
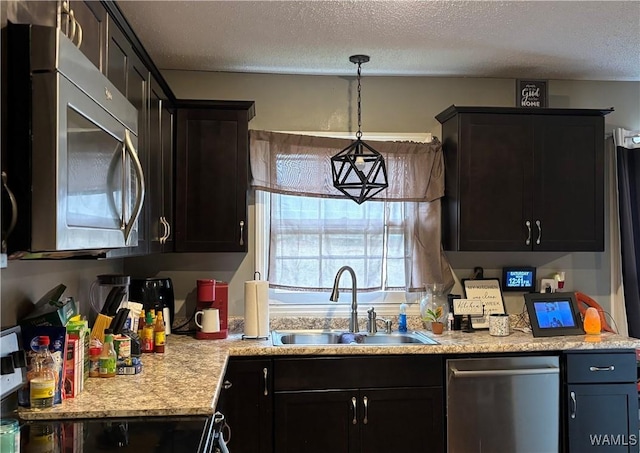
x=71, y=159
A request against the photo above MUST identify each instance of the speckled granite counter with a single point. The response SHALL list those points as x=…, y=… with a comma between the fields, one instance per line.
x=187, y=378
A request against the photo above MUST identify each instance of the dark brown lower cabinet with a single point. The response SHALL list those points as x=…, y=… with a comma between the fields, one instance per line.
x=364, y=420
x=601, y=402
x=356, y=404
x=246, y=402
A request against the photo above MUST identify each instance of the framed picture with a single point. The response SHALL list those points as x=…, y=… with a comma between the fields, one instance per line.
x=553, y=314
x=531, y=93
x=487, y=290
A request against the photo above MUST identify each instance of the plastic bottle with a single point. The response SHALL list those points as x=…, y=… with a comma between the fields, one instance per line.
x=94, y=361
x=402, y=318
x=450, y=321
x=141, y=323
x=147, y=334
x=108, y=355
x=159, y=335
x=42, y=376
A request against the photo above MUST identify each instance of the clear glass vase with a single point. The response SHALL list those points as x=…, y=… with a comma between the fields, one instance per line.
x=433, y=299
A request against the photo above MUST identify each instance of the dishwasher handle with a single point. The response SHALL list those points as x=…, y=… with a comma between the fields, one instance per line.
x=502, y=372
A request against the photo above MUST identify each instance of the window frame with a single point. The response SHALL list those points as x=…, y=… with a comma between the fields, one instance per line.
x=316, y=303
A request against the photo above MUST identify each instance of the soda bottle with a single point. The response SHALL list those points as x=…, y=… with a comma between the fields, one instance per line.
x=42, y=376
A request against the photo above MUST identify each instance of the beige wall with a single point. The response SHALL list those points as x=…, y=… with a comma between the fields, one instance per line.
x=390, y=104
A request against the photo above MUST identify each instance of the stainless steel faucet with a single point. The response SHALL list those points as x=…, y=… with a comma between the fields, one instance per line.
x=372, y=323
x=353, y=323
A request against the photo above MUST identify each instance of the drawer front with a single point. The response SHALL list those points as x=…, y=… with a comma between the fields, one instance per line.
x=318, y=373
x=601, y=367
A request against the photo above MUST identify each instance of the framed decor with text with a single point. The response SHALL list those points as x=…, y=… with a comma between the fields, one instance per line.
x=531, y=93
x=487, y=290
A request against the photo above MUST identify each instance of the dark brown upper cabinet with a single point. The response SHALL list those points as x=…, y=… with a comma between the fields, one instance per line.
x=523, y=179
x=212, y=175
x=91, y=17
x=160, y=176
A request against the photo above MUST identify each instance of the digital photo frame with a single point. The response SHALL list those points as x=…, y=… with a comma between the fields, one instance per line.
x=553, y=314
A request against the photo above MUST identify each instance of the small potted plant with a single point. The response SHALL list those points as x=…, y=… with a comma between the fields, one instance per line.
x=434, y=315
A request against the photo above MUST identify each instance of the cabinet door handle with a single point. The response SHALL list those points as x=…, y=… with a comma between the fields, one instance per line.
x=602, y=368
x=164, y=230
x=242, y=232
x=539, y=225
x=528, y=225
x=353, y=404
x=365, y=401
x=14, y=211
x=227, y=385
x=574, y=404
x=168, y=229
x=265, y=373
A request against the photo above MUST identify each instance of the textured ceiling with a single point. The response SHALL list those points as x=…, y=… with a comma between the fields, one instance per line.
x=573, y=40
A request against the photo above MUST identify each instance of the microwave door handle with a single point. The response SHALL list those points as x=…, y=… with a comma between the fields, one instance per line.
x=128, y=146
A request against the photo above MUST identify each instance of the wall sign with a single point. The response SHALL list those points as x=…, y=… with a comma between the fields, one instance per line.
x=531, y=93
x=488, y=292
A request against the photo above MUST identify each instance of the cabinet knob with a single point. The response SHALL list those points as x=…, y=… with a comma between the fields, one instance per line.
x=227, y=385
x=528, y=225
x=242, y=232
x=539, y=225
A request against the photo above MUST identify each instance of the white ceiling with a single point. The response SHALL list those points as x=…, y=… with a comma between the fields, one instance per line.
x=572, y=40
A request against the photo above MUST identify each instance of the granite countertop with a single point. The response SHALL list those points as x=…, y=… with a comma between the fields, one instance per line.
x=186, y=379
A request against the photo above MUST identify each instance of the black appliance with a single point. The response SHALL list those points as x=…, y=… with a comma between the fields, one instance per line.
x=184, y=434
x=153, y=292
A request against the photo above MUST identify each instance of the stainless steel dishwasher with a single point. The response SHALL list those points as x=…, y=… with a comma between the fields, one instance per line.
x=503, y=404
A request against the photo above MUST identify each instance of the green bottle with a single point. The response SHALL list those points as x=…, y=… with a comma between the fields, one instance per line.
x=108, y=356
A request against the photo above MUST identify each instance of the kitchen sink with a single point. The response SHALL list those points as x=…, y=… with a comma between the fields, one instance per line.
x=340, y=337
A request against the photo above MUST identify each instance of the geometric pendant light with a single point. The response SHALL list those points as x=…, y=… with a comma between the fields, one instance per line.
x=359, y=171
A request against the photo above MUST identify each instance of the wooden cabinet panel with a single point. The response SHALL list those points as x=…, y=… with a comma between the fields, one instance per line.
x=602, y=417
x=160, y=171
x=523, y=179
x=495, y=182
x=402, y=419
x=359, y=404
x=246, y=402
x=316, y=422
x=92, y=17
x=569, y=182
x=600, y=404
x=212, y=177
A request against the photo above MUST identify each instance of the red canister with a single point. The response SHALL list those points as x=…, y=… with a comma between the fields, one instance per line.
x=206, y=290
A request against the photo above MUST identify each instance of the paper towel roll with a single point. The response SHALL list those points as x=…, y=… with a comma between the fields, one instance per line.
x=256, y=308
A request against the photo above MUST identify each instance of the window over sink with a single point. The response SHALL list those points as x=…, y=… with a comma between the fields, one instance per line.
x=304, y=235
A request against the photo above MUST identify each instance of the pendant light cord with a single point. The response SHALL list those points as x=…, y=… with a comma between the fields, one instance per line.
x=359, y=133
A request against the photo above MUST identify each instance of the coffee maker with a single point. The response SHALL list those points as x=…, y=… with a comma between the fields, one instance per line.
x=156, y=293
x=213, y=294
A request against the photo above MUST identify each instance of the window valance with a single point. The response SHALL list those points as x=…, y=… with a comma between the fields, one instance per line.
x=301, y=165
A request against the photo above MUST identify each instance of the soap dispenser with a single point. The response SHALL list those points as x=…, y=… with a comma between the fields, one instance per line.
x=402, y=318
